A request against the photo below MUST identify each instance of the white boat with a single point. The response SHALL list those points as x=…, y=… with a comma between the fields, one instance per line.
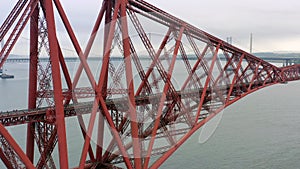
x=6, y=76
x=3, y=75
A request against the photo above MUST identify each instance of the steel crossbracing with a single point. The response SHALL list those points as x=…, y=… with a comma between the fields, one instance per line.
x=168, y=83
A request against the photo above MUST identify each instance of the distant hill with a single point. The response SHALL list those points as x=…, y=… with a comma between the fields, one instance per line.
x=17, y=56
x=273, y=54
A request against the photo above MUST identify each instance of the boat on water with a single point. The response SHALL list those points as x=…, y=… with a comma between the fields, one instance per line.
x=6, y=76
x=3, y=75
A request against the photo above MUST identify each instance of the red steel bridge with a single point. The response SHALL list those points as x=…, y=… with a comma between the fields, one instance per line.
x=139, y=112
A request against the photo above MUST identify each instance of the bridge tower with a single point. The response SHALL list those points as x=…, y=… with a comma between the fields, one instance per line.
x=146, y=99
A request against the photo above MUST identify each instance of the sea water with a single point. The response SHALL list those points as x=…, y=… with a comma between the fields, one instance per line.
x=261, y=130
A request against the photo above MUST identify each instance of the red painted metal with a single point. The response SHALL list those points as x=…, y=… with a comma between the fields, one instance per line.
x=144, y=106
x=12, y=17
x=14, y=146
x=57, y=85
x=129, y=80
x=235, y=77
x=32, y=91
x=6, y=162
x=207, y=82
x=13, y=37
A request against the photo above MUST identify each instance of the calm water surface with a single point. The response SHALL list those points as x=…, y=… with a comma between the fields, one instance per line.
x=259, y=131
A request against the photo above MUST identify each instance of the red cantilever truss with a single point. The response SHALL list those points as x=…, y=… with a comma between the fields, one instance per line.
x=142, y=105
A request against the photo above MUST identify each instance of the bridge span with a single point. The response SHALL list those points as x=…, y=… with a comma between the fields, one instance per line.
x=47, y=114
x=141, y=112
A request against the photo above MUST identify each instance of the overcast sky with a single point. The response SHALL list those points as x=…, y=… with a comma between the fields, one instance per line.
x=275, y=24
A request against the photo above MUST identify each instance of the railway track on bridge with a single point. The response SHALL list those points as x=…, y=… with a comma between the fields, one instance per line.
x=47, y=114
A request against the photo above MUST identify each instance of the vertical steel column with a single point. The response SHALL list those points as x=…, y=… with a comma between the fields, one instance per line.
x=130, y=87
x=57, y=86
x=105, y=42
x=32, y=91
x=100, y=136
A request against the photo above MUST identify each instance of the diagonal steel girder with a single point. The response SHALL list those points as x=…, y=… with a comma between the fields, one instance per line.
x=219, y=75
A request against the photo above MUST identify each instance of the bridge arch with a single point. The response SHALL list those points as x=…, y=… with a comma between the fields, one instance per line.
x=250, y=133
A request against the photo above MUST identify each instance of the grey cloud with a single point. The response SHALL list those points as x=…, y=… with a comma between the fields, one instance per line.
x=267, y=19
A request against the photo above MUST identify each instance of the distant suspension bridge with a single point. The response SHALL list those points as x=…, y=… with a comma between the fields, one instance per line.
x=286, y=61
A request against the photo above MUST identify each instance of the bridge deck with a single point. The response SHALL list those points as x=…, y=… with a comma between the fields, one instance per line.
x=17, y=117
x=46, y=114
